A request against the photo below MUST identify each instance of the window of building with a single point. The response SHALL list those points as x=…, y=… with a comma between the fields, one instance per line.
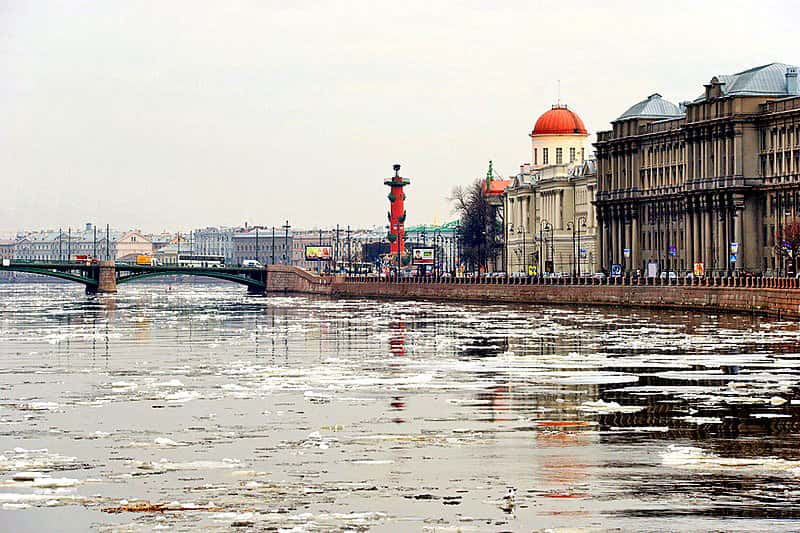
x=559, y=156
x=572, y=155
x=583, y=155
x=535, y=156
x=544, y=156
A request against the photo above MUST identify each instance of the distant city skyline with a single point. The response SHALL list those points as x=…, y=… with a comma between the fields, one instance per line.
x=173, y=116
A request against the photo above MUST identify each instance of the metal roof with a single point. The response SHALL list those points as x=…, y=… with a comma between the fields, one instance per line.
x=654, y=106
x=762, y=80
x=766, y=79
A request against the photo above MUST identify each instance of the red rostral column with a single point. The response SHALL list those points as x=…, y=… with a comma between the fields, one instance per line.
x=397, y=214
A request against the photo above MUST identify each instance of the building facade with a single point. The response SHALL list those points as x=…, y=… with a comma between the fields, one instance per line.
x=8, y=249
x=263, y=245
x=63, y=245
x=705, y=186
x=549, y=212
x=131, y=244
x=215, y=241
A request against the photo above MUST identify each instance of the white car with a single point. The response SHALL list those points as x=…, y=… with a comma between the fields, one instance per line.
x=251, y=263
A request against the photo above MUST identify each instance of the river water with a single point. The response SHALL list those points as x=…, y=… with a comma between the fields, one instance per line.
x=190, y=406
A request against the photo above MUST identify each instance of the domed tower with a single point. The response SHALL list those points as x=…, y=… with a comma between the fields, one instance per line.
x=558, y=138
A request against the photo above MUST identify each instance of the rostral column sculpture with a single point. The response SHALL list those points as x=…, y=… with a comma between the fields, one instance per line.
x=397, y=213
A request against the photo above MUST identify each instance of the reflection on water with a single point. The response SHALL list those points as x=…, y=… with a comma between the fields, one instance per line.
x=201, y=407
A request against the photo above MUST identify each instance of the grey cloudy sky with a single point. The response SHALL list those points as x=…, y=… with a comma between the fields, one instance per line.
x=176, y=114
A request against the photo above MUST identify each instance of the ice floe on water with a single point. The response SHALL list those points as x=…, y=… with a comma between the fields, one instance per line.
x=165, y=465
x=602, y=407
x=38, y=406
x=389, y=415
x=158, y=442
x=696, y=458
x=38, y=460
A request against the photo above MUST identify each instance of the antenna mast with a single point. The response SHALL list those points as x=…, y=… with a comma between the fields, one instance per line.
x=558, y=101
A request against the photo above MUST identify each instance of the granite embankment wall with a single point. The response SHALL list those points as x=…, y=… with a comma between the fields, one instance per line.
x=289, y=279
x=776, y=302
x=774, y=297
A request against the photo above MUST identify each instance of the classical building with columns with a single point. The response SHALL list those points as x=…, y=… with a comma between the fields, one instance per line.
x=710, y=181
x=549, y=212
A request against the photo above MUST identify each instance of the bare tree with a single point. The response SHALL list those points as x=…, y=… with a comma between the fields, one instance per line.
x=478, y=227
x=787, y=242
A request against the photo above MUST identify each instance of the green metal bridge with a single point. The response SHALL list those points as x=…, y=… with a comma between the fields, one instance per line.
x=106, y=275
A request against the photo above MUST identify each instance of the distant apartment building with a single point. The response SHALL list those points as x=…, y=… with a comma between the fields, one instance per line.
x=8, y=249
x=305, y=238
x=63, y=245
x=266, y=245
x=342, y=248
x=132, y=244
x=215, y=241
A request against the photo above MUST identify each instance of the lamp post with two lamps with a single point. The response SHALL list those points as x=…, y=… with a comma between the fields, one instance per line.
x=546, y=228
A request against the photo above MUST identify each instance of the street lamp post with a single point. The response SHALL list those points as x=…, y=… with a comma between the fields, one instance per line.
x=437, y=258
x=581, y=224
x=286, y=227
x=571, y=227
x=349, y=250
x=543, y=228
x=547, y=228
x=319, y=263
x=521, y=231
x=452, y=262
x=509, y=233
x=336, y=250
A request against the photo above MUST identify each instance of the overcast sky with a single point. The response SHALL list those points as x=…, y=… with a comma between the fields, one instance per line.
x=178, y=114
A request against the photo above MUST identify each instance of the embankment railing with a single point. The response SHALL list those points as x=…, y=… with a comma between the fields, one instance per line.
x=737, y=281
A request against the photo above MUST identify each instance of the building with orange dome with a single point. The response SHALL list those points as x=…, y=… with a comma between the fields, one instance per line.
x=549, y=214
x=558, y=137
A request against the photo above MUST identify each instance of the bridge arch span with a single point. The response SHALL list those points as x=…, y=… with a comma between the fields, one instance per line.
x=253, y=284
x=89, y=282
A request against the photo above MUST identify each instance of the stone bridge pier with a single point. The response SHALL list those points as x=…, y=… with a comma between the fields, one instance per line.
x=106, y=275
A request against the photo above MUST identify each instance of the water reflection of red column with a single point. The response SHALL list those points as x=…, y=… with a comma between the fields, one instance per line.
x=496, y=401
x=397, y=347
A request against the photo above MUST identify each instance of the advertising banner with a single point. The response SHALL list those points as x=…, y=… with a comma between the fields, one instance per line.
x=673, y=251
x=652, y=270
x=319, y=253
x=699, y=269
x=422, y=256
x=734, y=248
x=626, y=252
